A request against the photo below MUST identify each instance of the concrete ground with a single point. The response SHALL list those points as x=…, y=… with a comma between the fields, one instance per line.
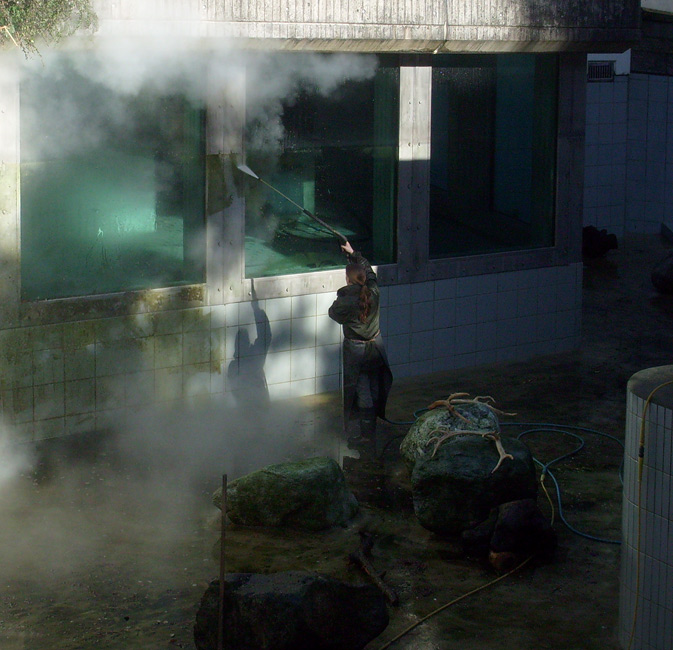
x=112, y=545
x=572, y=603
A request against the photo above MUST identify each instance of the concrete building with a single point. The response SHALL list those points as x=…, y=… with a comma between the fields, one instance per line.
x=140, y=266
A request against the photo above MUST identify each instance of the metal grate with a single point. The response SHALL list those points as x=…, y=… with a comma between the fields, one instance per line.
x=600, y=70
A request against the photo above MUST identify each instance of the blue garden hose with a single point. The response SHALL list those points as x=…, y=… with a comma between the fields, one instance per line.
x=564, y=429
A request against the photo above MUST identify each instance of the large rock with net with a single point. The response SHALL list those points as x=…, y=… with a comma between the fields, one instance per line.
x=309, y=494
x=435, y=422
x=456, y=484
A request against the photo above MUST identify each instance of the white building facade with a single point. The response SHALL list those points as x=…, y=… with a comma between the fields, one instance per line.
x=142, y=267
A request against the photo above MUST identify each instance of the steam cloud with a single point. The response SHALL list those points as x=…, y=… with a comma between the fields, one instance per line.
x=122, y=69
x=14, y=458
x=160, y=458
x=139, y=489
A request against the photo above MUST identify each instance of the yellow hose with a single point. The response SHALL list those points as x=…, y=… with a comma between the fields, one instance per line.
x=453, y=602
x=474, y=591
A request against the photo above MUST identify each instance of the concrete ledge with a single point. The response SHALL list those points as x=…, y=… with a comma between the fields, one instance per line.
x=645, y=381
x=427, y=38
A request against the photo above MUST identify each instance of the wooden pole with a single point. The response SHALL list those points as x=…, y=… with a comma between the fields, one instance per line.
x=223, y=506
x=360, y=557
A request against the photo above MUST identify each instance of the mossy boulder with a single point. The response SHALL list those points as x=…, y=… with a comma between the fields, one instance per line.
x=309, y=494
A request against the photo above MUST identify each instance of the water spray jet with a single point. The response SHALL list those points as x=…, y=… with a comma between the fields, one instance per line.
x=5, y=28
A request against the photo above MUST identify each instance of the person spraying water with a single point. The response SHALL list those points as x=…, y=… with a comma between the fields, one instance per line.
x=367, y=377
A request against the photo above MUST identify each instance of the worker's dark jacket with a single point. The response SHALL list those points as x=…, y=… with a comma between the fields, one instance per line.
x=363, y=349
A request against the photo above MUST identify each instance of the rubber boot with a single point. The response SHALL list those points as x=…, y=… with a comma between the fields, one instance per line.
x=365, y=443
x=368, y=425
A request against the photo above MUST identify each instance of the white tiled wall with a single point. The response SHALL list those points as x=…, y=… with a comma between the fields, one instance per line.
x=646, y=562
x=629, y=154
x=461, y=322
x=649, y=152
x=81, y=376
x=605, y=176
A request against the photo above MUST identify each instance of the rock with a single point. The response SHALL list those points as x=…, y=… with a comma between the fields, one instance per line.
x=294, y=610
x=477, y=541
x=505, y=561
x=415, y=443
x=596, y=243
x=310, y=494
x=512, y=532
x=662, y=274
x=522, y=528
x=457, y=488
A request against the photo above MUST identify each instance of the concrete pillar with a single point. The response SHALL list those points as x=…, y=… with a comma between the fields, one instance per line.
x=10, y=159
x=414, y=173
x=646, y=580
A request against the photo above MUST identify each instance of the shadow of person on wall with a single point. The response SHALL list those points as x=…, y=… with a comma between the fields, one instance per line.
x=246, y=376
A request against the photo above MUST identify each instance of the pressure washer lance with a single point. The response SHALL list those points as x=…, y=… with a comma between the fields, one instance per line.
x=246, y=170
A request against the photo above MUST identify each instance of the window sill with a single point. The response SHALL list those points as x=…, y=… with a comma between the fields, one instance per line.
x=59, y=310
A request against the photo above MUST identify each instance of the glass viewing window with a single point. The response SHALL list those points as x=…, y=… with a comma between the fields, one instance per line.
x=493, y=164
x=112, y=188
x=338, y=160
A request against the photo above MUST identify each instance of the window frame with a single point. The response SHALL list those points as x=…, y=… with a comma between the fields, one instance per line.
x=225, y=226
x=490, y=61
x=386, y=60
x=106, y=300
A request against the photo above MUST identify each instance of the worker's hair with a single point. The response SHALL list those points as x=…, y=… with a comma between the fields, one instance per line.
x=356, y=274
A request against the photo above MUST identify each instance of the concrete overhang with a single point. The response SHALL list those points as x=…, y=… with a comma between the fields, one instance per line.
x=398, y=40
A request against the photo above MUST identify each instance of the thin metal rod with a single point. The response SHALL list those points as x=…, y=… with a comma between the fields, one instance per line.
x=246, y=170
x=223, y=505
x=287, y=198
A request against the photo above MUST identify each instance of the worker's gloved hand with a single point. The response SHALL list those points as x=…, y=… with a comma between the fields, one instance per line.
x=347, y=248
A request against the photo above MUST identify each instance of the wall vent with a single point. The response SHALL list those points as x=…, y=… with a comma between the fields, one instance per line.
x=600, y=70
